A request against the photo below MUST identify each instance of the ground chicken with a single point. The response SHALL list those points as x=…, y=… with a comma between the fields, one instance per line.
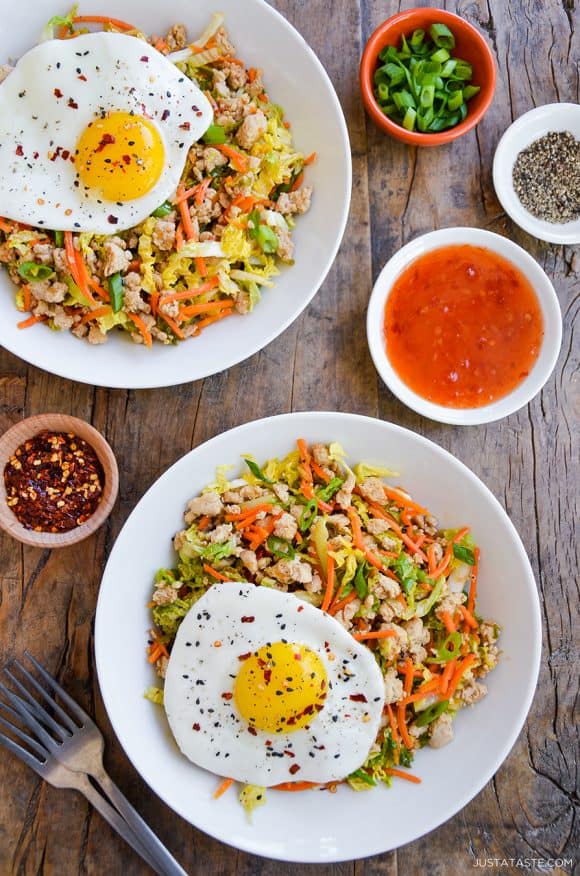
x=164, y=233
x=297, y=511
x=393, y=687
x=473, y=692
x=285, y=251
x=388, y=610
x=223, y=43
x=376, y=527
x=373, y=489
x=132, y=281
x=343, y=499
x=386, y=588
x=235, y=74
x=292, y=571
x=231, y=110
x=221, y=533
x=441, y=731
x=161, y=666
x=80, y=331
x=487, y=633
x=295, y=202
x=252, y=491
x=220, y=85
x=206, y=505
x=43, y=253
x=256, y=87
x=450, y=604
x=209, y=209
x=5, y=71
x=133, y=302
x=399, y=641
x=251, y=129
x=176, y=39
x=62, y=320
x=418, y=636
x=416, y=731
x=96, y=336
x=179, y=539
x=46, y=290
x=346, y=614
x=116, y=258
x=286, y=526
x=164, y=596
x=320, y=454
x=250, y=561
x=213, y=158
x=314, y=586
x=339, y=521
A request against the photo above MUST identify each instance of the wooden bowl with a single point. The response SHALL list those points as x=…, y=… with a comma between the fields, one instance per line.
x=26, y=429
x=469, y=44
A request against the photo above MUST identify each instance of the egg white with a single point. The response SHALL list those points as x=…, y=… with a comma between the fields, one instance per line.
x=208, y=728
x=117, y=73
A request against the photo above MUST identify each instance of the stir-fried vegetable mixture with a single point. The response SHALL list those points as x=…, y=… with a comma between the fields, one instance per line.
x=364, y=552
x=199, y=258
x=421, y=85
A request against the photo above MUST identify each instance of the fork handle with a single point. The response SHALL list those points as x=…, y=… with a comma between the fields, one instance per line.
x=165, y=863
x=113, y=818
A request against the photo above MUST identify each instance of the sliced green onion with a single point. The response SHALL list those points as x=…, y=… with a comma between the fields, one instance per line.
x=115, y=284
x=363, y=777
x=431, y=713
x=59, y=238
x=163, y=210
x=257, y=471
x=332, y=487
x=470, y=91
x=409, y=119
x=455, y=100
x=280, y=547
x=464, y=554
x=440, y=56
x=449, y=649
x=32, y=271
x=442, y=36
x=360, y=582
x=215, y=135
x=417, y=38
x=383, y=92
x=308, y=515
x=266, y=238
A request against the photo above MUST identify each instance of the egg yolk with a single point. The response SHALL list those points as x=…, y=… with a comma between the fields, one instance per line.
x=281, y=687
x=120, y=156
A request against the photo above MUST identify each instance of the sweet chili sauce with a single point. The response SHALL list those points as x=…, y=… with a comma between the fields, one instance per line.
x=463, y=326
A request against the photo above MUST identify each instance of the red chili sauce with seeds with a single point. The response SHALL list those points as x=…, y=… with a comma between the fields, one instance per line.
x=463, y=326
x=54, y=482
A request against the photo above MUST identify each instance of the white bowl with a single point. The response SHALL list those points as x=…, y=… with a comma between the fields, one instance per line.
x=549, y=305
x=529, y=127
x=317, y=826
x=295, y=79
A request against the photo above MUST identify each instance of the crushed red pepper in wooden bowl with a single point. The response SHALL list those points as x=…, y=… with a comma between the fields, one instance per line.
x=54, y=482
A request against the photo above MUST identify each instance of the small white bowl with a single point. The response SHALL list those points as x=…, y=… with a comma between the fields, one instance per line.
x=529, y=127
x=547, y=299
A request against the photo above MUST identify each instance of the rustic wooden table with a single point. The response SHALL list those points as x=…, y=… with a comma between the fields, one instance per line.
x=530, y=462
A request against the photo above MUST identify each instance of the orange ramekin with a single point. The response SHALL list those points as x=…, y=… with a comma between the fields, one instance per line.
x=469, y=44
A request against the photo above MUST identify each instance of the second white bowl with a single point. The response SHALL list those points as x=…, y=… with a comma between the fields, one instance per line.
x=547, y=299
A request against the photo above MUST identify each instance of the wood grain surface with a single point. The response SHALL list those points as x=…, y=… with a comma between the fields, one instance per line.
x=530, y=462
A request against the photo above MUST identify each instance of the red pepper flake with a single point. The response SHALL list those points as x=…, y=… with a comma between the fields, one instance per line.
x=82, y=78
x=165, y=116
x=186, y=126
x=19, y=150
x=112, y=219
x=58, y=93
x=195, y=727
x=289, y=753
x=227, y=696
x=294, y=769
x=65, y=154
x=245, y=656
x=267, y=675
x=300, y=608
x=298, y=656
x=358, y=698
x=72, y=104
x=252, y=731
x=248, y=619
x=35, y=155
x=144, y=58
x=54, y=482
x=127, y=159
x=106, y=140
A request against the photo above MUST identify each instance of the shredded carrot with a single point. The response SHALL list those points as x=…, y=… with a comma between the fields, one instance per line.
x=26, y=298
x=406, y=738
x=378, y=634
x=448, y=622
x=96, y=314
x=328, y=593
x=32, y=320
x=359, y=543
x=203, y=323
x=377, y=511
x=145, y=333
x=431, y=559
x=103, y=19
x=421, y=693
x=473, y=584
x=156, y=651
x=252, y=74
x=201, y=266
x=173, y=326
x=227, y=783
x=408, y=680
x=209, y=307
x=239, y=161
x=6, y=226
x=297, y=182
x=392, y=724
x=101, y=292
x=405, y=517
x=468, y=617
x=246, y=512
x=201, y=190
x=446, y=676
x=320, y=472
x=310, y=159
x=263, y=97
x=390, y=771
x=401, y=499
x=83, y=276
x=161, y=45
x=188, y=228
x=338, y=606
x=459, y=672
x=190, y=293
x=179, y=240
x=214, y=573
x=295, y=786
x=203, y=522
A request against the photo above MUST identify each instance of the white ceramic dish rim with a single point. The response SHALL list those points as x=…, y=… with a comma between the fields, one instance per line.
x=303, y=423
x=529, y=127
x=547, y=298
x=134, y=367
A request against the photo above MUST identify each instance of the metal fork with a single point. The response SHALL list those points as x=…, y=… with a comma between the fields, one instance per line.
x=73, y=752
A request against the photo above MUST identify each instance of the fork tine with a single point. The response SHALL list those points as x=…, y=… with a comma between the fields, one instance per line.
x=32, y=743
x=52, y=683
x=20, y=752
x=46, y=697
x=28, y=718
x=37, y=710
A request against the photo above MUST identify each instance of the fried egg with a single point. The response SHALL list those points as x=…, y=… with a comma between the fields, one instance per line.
x=265, y=688
x=94, y=133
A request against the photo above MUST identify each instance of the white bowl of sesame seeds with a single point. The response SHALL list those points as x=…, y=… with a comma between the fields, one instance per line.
x=549, y=180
